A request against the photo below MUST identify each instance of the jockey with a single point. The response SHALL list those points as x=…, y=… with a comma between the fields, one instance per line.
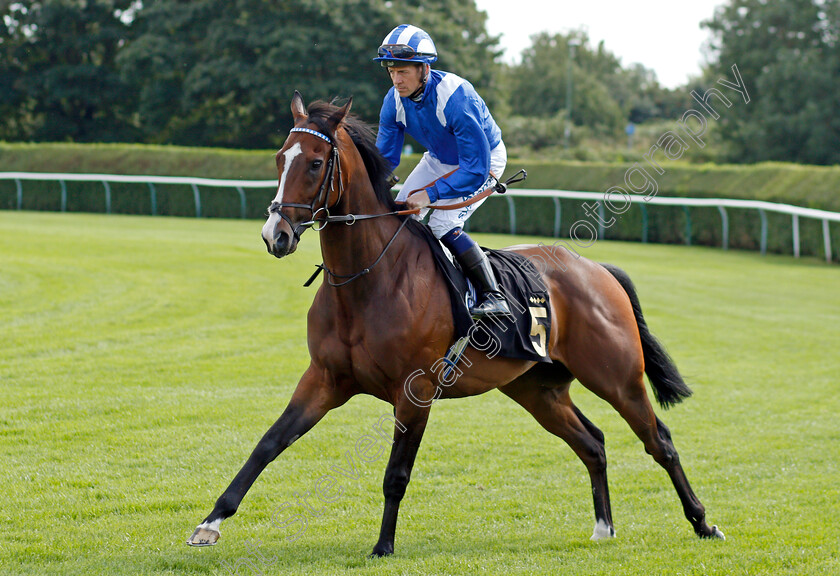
x=446, y=115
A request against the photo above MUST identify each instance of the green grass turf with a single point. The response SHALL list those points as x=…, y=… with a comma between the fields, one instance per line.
x=143, y=358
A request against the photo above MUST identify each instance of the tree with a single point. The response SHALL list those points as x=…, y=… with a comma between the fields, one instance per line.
x=642, y=98
x=788, y=55
x=539, y=85
x=11, y=69
x=209, y=72
x=221, y=72
x=59, y=75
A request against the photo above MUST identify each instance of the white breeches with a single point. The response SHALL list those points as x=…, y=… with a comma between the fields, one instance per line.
x=429, y=169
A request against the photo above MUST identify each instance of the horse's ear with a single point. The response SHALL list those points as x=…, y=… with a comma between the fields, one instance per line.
x=339, y=115
x=298, y=108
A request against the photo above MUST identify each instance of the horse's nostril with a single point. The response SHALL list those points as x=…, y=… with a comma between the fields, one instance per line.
x=281, y=245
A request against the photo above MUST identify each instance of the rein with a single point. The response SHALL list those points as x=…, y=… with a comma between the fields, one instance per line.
x=500, y=187
x=351, y=277
x=333, y=168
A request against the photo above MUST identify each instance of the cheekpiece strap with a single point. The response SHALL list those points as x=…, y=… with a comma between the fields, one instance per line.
x=314, y=133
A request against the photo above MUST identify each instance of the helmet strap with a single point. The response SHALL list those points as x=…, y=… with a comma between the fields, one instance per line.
x=417, y=95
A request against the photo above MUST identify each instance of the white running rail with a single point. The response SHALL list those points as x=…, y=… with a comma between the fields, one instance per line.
x=721, y=204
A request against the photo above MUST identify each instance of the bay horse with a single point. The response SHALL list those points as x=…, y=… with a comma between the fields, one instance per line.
x=382, y=318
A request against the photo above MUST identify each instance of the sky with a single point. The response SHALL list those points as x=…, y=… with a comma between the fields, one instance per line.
x=663, y=35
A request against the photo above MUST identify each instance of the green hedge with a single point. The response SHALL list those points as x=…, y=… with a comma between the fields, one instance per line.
x=808, y=186
x=138, y=159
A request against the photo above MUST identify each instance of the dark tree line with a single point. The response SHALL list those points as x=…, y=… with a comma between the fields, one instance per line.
x=207, y=72
x=221, y=72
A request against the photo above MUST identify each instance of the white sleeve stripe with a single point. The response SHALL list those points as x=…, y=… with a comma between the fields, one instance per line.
x=445, y=89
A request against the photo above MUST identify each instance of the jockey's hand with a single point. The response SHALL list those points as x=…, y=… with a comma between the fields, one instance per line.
x=418, y=200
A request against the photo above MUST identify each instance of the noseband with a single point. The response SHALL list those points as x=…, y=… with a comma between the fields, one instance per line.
x=327, y=187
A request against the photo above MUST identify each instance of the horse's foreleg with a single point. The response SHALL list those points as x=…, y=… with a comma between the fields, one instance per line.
x=408, y=433
x=311, y=400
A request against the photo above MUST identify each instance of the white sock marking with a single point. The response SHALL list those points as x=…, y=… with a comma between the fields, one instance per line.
x=602, y=531
x=214, y=525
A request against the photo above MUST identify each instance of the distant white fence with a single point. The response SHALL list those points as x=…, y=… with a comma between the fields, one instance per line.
x=107, y=179
x=721, y=204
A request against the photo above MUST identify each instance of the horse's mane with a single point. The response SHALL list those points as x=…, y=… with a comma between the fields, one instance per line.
x=364, y=137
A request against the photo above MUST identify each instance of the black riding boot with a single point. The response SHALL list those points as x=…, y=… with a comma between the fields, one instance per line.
x=491, y=301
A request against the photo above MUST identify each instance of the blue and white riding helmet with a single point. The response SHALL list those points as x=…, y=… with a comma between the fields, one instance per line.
x=406, y=43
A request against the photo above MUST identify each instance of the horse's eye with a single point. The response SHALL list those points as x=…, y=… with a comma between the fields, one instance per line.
x=316, y=164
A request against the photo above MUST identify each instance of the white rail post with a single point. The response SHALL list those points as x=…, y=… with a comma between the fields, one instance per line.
x=242, y=201
x=153, y=197
x=602, y=229
x=197, y=200
x=107, y=196
x=512, y=210
x=687, y=226
x=827, y=241
x=557, y=214
x=724, y=219
x=763, y=216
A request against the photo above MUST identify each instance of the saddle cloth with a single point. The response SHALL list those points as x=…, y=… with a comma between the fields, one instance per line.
x=526, y=335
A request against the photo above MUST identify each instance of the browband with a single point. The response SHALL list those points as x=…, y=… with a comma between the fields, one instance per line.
x=314, y=133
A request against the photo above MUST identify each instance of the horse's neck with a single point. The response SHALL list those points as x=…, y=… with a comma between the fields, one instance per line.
x=348, y=250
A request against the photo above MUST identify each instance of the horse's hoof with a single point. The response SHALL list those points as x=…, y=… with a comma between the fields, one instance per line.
x=203, y=537
x=381, y=551
x=602, y=531
x=713, y=532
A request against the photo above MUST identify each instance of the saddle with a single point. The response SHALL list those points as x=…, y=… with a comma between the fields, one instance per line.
x=525, y=336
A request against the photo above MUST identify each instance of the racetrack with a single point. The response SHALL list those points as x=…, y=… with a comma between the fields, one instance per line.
x=142, y=358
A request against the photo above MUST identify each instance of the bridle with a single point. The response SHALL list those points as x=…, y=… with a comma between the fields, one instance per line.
x=333, y=166
x=327, y=188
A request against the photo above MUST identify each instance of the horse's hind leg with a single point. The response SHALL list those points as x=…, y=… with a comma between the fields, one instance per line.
x=554, y=410
x=636, y=409
x=310, y=401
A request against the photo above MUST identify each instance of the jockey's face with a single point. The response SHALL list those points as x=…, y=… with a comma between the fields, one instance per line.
x=406, y=79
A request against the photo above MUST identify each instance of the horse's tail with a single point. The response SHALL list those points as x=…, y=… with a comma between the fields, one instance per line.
x=665, y=379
